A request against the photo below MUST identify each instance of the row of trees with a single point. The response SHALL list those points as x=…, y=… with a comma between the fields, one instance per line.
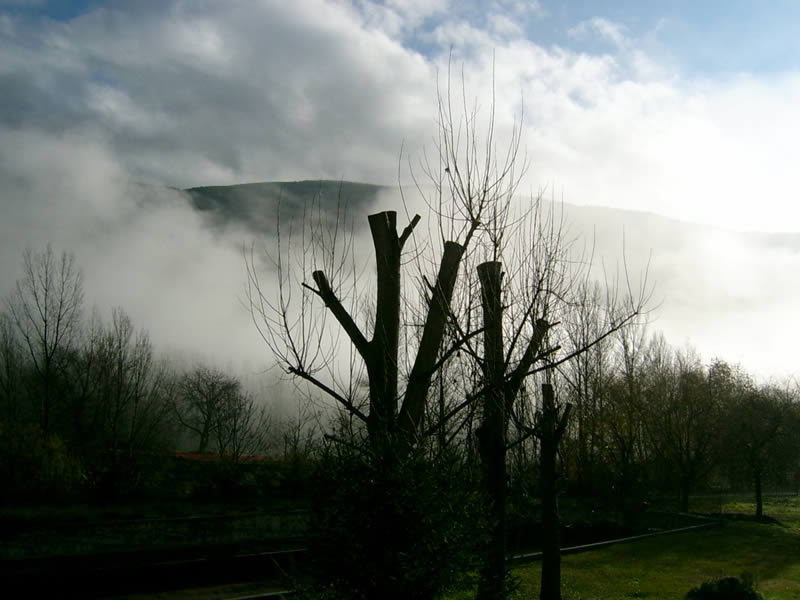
x=95, y=391
x=648, y=414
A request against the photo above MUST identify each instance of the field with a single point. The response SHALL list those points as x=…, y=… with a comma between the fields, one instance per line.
x=666, y=567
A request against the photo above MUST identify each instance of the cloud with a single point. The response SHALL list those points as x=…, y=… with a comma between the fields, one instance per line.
x=140, y=247
x=612, y=32
x=200, y=93
x=246, y=91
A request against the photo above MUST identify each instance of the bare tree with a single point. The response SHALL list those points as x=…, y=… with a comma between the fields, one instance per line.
x=202, y=394
x=242, y=428
x=758, y=432
x=300, y=434
x=624, y=443
x=11, y=372
x=682, y=417
x=586, y=378
x=132, y=393
x=467, y=180
x=45, y=309
x=544, y=284
x=213, y=407
x=473, y=219
x=466, y=186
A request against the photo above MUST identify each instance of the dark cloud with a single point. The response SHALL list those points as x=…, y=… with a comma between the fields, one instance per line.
x=244, y=91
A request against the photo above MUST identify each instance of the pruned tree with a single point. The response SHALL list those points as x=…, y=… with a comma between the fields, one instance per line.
x=466, y=181
x=545, y=285
x=470, y=195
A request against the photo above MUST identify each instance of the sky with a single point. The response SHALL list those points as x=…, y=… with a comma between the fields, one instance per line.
x=683, y=109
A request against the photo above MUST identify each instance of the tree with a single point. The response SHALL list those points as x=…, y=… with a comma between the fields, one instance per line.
x=213, y=407
x=398, y=376
x=45, y=310
x=11, y=372
x=624, y=439
x=546, y=283
x=759, y=422
x=587, y=379
x=683, y=417
x=470, y=201
x=133, y=390
x=118, y=398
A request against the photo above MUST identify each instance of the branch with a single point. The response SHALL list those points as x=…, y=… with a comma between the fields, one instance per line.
x=409, y=228
x=338, y=440
x=456, y=347
x=335, y=306
x=514, y=381
x=585, y=348
x=433, y=331
x=330, y=391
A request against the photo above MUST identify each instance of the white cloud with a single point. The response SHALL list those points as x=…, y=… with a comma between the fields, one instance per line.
x=520, y=8
x=504, y=26
x=616, y=33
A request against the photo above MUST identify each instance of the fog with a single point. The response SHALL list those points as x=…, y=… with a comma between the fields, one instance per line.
x=105, y=113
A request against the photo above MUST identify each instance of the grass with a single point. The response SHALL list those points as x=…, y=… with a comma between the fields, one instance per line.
x=666, y=567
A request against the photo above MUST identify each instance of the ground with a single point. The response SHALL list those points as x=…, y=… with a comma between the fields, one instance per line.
x=666, y=567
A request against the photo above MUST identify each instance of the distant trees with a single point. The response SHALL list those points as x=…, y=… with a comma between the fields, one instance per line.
x=666, y=422
x=86, y=399
x=45, y=311
x=683, y=421
x=221, y=416
x=759, y=434
x=11, y=373
x=132, y=387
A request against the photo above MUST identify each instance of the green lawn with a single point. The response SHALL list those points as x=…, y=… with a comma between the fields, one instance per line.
x=668, y=566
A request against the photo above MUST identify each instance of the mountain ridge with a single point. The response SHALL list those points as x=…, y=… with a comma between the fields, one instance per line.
x=245, y=203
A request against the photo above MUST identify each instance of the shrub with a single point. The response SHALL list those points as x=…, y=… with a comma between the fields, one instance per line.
x=406, y=530
x=727, y=588
x=35, y=466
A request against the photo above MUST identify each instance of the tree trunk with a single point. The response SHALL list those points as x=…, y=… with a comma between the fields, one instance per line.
x=684, y=500
x=759, y=499
x=550, y=434
x=382, y=361
x=491, y=435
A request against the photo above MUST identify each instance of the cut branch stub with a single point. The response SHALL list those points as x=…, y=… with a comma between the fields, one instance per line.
x=532, y=353
x=419, y=379
x=340, y=312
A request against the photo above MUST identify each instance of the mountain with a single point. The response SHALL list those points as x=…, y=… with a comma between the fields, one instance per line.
x=256, y=205
x=732, y=294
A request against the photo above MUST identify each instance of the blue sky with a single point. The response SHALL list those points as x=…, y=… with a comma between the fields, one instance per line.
x=707, y=38
x=684, y=109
